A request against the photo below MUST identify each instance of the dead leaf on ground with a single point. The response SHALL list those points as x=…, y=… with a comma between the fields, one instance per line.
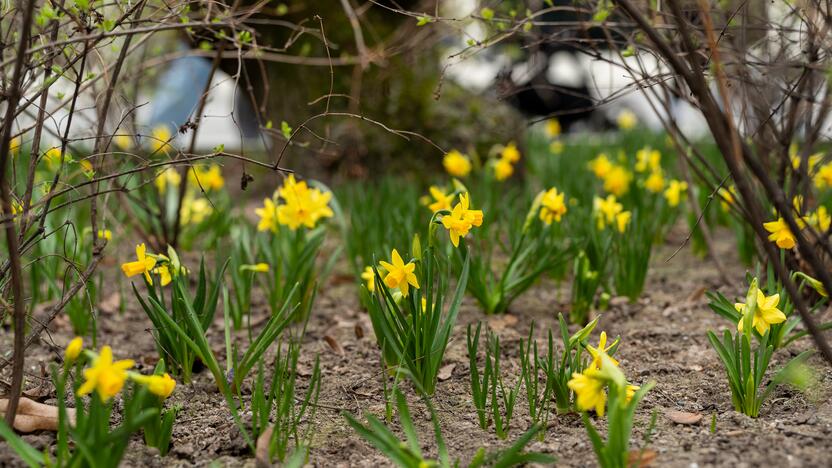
x=33, y=416
x=334, y=345
x=683, y=417
x=110, y=304
x=696, y=294
x=359, y=331
x=642, y=458
x=261, y=451
x=500, y=322
x=445, y=372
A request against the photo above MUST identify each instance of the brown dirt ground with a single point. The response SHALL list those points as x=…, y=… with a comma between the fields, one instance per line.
x=663, y=339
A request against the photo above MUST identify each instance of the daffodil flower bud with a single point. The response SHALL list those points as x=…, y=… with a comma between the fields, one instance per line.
x=74, y=348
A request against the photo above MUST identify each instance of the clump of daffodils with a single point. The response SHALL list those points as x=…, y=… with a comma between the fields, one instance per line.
x=765, y=315
x=674, y=192
x=615, y=177
x=461, y=219
x=617, y=181
x=503, y=166
x=600, y=166
x=590, y=386
x=552, y=206
x=107, y=377
x=206, y=176
x=762, y=329
x=165, y=266
x=609, y=212
x=301, y=206
x=602, y=387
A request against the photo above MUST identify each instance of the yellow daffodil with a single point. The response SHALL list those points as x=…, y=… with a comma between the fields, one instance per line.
x=159, y=385
x=369, y=278
x=164, y=274
x=14, y=146
x=52, y=156
x=503, y=169
x=626, y=120
x=821, y=220
x=823, y=179
x=143, y=264
x=600, y=166
x=556, y=147
x=780, y=234
x=207, y=177
x=195, y=209
x=159, y=138
x=473, y=216
x=648, y=159
x=256, y=268
x=166, y=177
x=813, y=160
x=726, y=197
x=510, y=153
x=797, y=203
x=73, y=349
x=105, y=234
x=814, y=284
x=86, y=167
x=589, y=388
x=16, y=208
x=457, y=164
x=297, y=212
x=268, y=216
x=105, y=376
x=617, y=180
x=622, y=220
x=441, y=200
x=630, y=392
x=606, y=210
x=122, y=141
x=461, y=220
x=553, y=128
x=601, y=349
x=302, y=206
x=674, y=192
x=655, y=182
x=552, y=206
x=400, y=275
x=766, y=313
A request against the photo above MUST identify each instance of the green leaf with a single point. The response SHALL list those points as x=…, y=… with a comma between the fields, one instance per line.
x=285, y=129
x=26, y=452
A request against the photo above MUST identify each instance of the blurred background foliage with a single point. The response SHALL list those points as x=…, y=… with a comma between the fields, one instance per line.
x=402, y=86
